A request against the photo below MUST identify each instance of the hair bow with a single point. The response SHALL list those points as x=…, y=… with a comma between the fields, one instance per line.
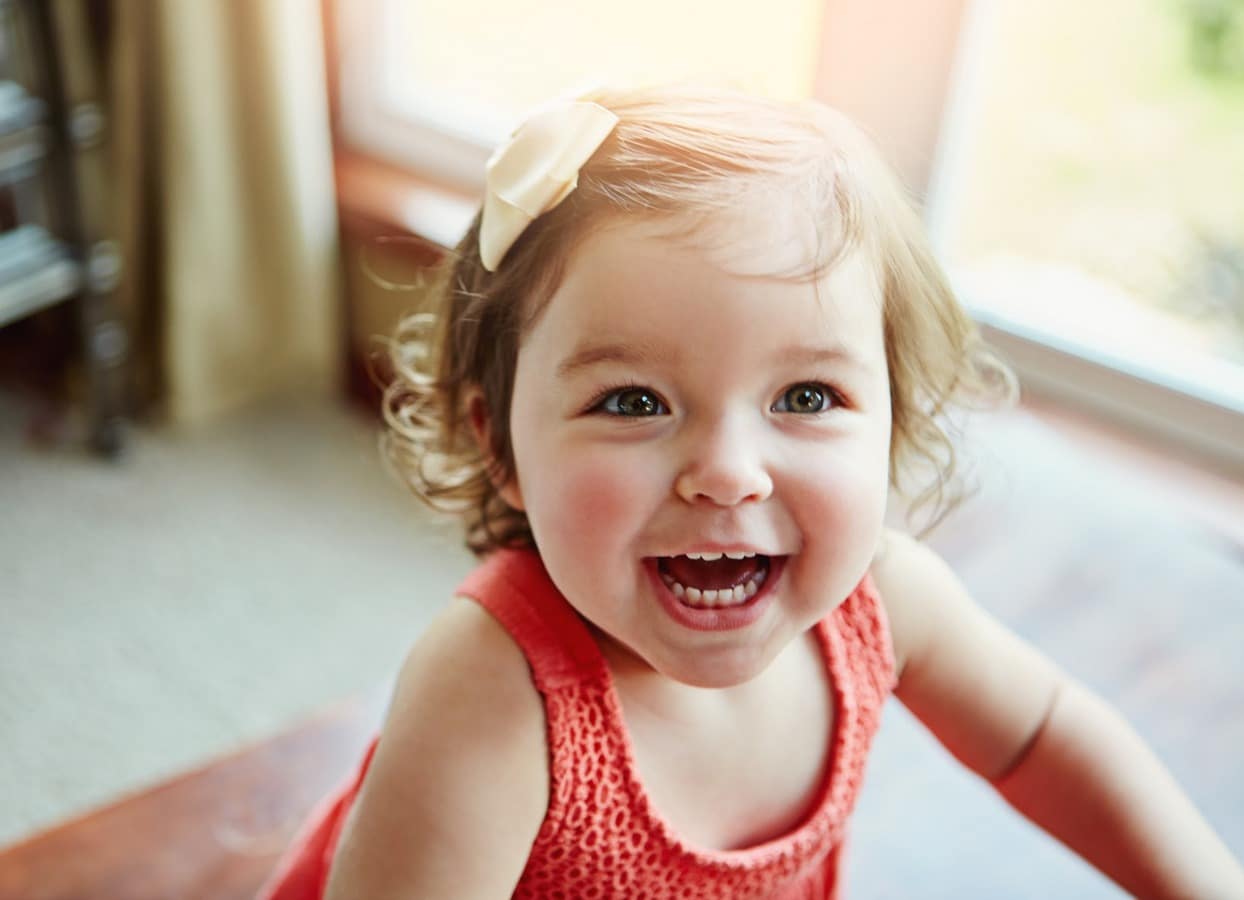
x=536, y=169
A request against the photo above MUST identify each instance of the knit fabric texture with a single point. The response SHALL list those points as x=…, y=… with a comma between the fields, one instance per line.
x=601, y=836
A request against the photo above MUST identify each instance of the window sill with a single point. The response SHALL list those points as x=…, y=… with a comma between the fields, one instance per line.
x=1193, y=426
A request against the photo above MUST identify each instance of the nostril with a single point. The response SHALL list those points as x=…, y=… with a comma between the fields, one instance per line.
x=723, y=487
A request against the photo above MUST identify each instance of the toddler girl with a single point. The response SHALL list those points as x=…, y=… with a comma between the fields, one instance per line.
x=680, y=357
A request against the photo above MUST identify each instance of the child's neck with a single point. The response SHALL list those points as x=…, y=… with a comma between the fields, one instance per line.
x=643, y=686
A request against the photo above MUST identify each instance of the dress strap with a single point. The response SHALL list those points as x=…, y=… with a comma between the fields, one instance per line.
x=864, y=628
x=515, y=588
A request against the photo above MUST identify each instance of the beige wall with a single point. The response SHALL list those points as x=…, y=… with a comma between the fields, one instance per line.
x=887, y=64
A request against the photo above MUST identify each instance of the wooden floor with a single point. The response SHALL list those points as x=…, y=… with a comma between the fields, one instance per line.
x=1125, y=567
x=211, y=834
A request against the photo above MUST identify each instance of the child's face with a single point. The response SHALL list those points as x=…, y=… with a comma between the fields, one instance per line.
x=668, y=403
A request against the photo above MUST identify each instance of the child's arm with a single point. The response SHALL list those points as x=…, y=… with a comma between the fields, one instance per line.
x=458, y=787
x=1056, y=752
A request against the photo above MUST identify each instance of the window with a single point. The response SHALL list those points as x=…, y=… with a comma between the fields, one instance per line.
x=1089, y=199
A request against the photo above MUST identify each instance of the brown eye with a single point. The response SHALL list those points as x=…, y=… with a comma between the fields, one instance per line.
x=804, y=398
x=633, y=403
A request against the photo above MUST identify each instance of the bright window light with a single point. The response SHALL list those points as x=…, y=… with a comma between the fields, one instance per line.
x=1093, y=183
x=475, y=66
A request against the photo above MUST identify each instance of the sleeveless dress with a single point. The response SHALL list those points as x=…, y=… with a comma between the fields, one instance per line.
x=602, y=837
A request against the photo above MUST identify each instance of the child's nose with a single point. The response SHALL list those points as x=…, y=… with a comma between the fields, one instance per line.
x=724, y=466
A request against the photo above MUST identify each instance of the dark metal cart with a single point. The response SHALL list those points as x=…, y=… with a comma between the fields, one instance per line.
x=54, y=207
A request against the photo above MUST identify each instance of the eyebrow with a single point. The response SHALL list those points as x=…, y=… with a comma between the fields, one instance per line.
x=812, y=355
x=626, y=354
x=648, y=355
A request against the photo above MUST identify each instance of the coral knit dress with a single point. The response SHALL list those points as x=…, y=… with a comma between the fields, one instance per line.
x=601, y=836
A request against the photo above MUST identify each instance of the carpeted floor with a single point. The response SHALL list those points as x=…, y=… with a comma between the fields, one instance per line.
x=202, y=592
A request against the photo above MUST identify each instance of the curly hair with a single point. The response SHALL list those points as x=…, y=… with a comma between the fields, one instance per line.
x=682, y=155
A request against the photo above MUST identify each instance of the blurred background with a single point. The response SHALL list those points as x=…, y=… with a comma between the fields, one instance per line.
x=210, y=212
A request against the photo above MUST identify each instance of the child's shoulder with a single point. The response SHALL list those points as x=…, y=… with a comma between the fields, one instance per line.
x=460, y=771
x=977, y=686
x=917, y=589
x=465, y=693
x=465, y=661
x=903, y=563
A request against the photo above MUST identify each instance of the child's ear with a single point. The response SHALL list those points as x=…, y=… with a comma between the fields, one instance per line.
x=481, y=428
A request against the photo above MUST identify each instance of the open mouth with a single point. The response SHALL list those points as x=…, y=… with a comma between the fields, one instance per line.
x=714, y=580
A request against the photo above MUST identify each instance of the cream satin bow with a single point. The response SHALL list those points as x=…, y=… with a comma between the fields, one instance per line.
x=536, y=169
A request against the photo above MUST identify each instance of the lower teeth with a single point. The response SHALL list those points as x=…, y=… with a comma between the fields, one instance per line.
x=734, y=596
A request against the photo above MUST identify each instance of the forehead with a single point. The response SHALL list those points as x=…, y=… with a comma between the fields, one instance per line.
x=631, y=279
x=775, y=238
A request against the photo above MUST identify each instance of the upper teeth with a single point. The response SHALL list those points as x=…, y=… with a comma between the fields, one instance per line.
x=710, y=557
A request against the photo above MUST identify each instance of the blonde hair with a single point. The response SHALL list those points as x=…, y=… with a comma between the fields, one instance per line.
x=682, y=155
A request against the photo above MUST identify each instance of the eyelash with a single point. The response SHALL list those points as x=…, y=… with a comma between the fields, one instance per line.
x=832, y=396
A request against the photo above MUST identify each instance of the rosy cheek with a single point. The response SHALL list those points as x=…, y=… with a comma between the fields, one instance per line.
x=838, y=498
x=850, y=507
x=595, y=500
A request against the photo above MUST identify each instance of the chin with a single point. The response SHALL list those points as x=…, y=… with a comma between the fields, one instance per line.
x=736, y=667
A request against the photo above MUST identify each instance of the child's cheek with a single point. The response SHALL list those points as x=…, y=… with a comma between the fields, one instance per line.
x=849, y=507
x=597, y=500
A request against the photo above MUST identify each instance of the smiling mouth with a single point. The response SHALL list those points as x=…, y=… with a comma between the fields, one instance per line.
x=713, y=580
